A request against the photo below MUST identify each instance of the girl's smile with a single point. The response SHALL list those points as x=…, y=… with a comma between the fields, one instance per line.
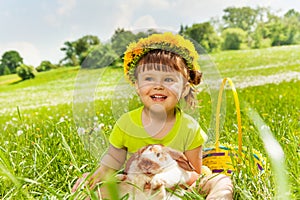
x=158, y=97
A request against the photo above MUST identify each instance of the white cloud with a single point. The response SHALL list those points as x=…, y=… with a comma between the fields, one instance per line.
x=65, y=6
x=5, y=14
x=136, y=14
x=146, y=21
x=124, y=13
x=29, y=53
x=51, y=20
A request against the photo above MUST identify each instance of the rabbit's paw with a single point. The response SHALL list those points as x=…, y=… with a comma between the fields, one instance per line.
x=121, y=177
x=157, y=182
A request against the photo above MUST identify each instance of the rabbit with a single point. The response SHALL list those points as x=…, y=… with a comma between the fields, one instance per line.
x=156, y=167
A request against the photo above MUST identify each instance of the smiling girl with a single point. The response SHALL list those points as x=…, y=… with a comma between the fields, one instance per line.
x=163, y=69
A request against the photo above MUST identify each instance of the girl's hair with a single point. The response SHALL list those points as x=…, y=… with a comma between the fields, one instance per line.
x=162, y=60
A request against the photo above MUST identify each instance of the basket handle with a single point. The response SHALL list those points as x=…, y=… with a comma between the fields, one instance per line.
x=238, y=114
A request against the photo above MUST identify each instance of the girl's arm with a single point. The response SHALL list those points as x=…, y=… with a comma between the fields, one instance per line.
x=112, y=161
x=195, y=157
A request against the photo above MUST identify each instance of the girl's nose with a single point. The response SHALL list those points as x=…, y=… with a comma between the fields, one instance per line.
x=159, y=86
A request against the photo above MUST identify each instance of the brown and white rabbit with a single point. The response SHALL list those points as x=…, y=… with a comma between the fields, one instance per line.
x=154, y=168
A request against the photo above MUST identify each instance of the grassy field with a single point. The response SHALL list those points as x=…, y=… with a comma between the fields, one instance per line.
x=42, y=152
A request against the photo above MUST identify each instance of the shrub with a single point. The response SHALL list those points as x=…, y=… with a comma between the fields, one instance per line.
x=233, y=38
x=25, y=71
x=45, y=66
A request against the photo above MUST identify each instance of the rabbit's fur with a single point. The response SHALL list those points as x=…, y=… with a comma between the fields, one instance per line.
x=152, y=169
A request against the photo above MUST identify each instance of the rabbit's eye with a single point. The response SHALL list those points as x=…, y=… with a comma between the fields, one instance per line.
x=158, y=154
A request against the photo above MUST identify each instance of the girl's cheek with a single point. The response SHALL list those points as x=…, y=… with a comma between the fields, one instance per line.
x=176, y=89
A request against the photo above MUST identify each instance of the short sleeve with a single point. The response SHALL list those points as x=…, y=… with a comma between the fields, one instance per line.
x=116, y=137
x=199, y=139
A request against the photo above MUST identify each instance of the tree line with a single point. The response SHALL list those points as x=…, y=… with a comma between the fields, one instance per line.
x=238, y=28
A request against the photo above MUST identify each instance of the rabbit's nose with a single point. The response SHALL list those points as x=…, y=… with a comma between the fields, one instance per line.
x=147, y=165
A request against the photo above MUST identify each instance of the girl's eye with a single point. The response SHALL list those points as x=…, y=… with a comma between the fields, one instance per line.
x=148, y=79
x=169, y=80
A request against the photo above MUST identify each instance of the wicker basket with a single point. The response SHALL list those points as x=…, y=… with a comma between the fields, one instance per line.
x=223, y=158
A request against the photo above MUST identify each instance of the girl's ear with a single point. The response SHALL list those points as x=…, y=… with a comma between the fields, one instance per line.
x=186, y=90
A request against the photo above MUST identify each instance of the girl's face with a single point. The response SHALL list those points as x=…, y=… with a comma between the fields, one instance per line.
x=162, y=88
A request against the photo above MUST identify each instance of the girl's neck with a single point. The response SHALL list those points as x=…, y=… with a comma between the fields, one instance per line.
x=158, y=123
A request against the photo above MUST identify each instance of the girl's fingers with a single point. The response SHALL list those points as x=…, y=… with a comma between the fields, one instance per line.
x=79, y=181
x=93, y=181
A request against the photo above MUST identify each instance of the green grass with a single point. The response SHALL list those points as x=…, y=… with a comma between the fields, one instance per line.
x=260, y=61
x=41, y=153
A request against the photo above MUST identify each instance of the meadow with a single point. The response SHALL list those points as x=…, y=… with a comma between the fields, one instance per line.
x=55, y=127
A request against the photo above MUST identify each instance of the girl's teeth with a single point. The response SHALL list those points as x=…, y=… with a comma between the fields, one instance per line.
x=158, y=97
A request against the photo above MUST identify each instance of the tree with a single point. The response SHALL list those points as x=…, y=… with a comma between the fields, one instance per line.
x=25, y=72
x=10, y=61
x=204, y=34
x=278, y=30
x=142, y=34
x=272, y=30
x=243, y=18
x=71, y=58
x=84, y=45
x=101, y=56
x=77, y=51
x=182, y=29
x=291, y=22
x=121, y=39
x=6, y=71
x=217, y=23
x=261, y=36
x=233, y=38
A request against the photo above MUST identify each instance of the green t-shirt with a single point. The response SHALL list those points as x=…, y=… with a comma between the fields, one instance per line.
x=129, y=133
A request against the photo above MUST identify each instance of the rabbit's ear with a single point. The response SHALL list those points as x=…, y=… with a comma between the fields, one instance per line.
x=141, y=150
x=129, y=161
x=181, y=159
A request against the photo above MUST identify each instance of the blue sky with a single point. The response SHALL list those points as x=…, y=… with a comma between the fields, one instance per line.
x=37, y=29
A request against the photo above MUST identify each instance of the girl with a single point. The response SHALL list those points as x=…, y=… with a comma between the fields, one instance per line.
x=164, y=69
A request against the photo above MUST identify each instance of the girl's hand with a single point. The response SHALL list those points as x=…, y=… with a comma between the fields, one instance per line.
x=79, y=181
x=114, y=157
x=193, y=178
x=101, y=173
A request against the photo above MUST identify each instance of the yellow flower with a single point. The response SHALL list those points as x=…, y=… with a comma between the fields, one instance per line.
x=166, y=41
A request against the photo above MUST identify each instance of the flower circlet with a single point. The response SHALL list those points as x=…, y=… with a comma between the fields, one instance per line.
x=165, y=41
